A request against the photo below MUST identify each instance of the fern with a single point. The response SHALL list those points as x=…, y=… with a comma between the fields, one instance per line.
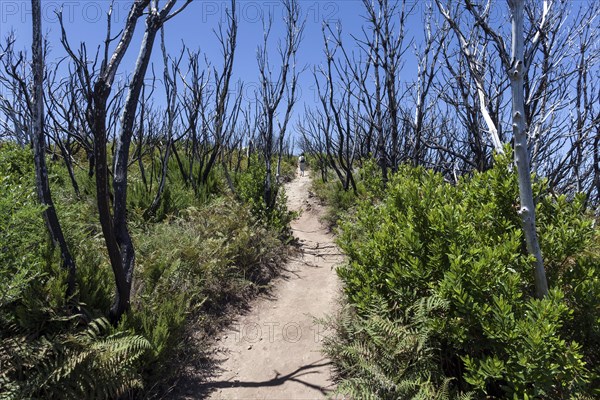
x=378, y=357
x=91, y=364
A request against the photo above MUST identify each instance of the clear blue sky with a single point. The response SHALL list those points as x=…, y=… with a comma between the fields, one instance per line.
x=85, y=21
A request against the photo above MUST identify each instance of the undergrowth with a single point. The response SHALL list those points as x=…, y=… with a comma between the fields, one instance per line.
x=440, y=292
x=369, y=185
x=202, y=251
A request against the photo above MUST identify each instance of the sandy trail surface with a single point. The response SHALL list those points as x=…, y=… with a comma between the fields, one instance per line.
x=274, y=350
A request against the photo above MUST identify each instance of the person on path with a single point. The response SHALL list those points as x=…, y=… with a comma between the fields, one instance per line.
x=301, y=164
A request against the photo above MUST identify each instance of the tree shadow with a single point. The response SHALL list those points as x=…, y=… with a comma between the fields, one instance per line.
x=199, y=386
x=277, y=380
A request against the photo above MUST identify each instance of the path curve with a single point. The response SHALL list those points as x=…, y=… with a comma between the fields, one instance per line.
x=274, y=351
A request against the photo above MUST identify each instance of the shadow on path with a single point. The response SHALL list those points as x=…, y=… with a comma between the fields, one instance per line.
x=277, y=380
x=200, y=386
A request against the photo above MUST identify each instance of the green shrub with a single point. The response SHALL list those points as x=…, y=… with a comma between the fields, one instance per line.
x=250, y=187
x=289, y=167
x=30, y=281
x=44, y=350
x=370, y=180
x=196, y=264
x=201, y=252
x=23, y=239
x=338, y=201
x=464, y=245
x=369, y=184
x=177, y=195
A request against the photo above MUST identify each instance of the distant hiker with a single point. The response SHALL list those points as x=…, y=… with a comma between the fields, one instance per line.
x=301, y=164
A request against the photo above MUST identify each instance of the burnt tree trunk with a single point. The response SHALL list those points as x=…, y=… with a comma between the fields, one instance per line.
x=39, y=146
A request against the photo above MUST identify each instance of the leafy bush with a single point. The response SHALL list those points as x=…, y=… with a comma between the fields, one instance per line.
x=30, y=282
x=23, y=242
x=178, y=194
x=369, y=185
x=337, y=200
x=250, y=187
x=44, y=352
x=289, y=167
x=463, y=244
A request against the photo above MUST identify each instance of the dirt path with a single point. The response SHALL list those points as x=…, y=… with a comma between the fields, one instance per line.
x=274, y=351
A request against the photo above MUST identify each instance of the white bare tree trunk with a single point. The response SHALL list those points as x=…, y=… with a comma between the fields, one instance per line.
x=477, y=75
x=527, y=209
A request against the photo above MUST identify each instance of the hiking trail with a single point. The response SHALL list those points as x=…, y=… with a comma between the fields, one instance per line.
x=274, y=350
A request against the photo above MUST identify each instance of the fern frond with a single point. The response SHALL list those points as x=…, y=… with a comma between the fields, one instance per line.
x=87, y=364
x=380, y=357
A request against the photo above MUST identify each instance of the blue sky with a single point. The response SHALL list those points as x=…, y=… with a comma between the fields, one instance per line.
x=85, y=21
